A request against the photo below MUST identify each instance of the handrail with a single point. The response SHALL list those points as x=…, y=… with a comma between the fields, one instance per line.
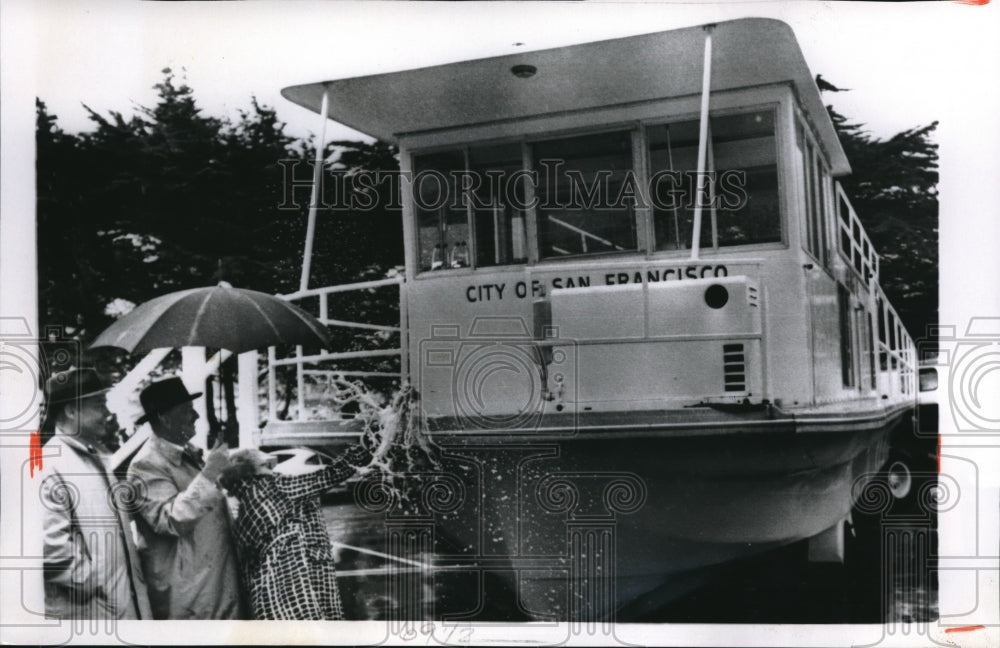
x=361, y=285
x=300, y=361
x=859, y=252
x=343, y=355
x=359, y=325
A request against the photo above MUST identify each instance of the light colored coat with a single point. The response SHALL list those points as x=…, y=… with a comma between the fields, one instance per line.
x=187, y=547
x=91, y=564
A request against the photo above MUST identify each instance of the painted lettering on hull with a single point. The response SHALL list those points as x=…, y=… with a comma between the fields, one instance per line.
x=665, y=274
x=492, y=292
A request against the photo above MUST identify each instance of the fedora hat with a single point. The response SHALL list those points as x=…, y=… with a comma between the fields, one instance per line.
x=163, y=395
x=73, y=384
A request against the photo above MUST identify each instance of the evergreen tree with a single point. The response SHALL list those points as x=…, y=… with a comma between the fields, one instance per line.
x=170, y=198
x=163, y=200
x=893, y=188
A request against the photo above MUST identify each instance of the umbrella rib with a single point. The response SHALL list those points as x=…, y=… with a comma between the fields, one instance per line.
x=197, y=318
x=292, y=308
x=255, y=305
x=308, y=321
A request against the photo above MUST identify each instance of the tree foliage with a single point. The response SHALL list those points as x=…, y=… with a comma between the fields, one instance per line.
x=893, y=188
x=170, y=198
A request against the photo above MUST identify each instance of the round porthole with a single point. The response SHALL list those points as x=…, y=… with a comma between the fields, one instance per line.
x=716, y=296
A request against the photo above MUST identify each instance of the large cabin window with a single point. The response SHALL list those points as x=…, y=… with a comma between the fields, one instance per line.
x=451, y=186
x=741, y=205
x=500, y=232
x=442, y=221
x=583, y=201
x=815, y=178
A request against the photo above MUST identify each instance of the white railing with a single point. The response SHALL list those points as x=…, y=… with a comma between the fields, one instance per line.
x=897, y=354
x=852, y=242
x=301, y=361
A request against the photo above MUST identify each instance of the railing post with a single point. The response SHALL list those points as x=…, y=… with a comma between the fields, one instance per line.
x=300, y=379
x=404, y=347
x=246, y=411
x=272, y=385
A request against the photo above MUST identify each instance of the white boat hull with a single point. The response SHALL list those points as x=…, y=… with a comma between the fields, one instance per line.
x=587, y=526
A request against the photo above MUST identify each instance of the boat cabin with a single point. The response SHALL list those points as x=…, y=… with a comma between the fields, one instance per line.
x=647, y=225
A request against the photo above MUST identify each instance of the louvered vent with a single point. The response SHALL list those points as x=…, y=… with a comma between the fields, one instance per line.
x=734, y=367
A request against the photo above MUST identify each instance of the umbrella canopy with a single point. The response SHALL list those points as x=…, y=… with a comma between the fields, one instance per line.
x=220, y=317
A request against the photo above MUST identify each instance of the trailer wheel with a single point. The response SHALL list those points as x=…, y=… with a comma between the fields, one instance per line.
x=899, y=479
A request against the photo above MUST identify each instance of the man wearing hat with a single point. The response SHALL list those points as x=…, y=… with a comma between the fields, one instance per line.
x=187, y=547
x=90, y=561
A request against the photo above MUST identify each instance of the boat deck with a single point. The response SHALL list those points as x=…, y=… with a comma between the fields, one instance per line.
x=702, y=420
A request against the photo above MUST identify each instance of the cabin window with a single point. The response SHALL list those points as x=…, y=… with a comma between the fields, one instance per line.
x=815, y=178
x=452, y=186
x=583, y=195
x=500, y=232
x=442, y=221
x=846, y=341
x=741, y=201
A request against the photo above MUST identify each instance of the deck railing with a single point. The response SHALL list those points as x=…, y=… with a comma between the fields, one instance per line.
x=897, y=353
x=852, y=240
x=303, y=362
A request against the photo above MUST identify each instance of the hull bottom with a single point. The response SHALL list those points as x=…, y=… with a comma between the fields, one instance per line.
x=597, y=528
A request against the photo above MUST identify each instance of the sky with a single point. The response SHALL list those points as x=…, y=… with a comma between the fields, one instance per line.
x=895, y=58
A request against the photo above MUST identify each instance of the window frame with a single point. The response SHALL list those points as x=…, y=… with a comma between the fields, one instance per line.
x=778, y=97
x=816, y=183
x=630, y=130
x=777, y=109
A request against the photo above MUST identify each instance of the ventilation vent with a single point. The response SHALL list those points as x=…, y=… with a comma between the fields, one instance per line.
x=734, y=367
x=752, y=298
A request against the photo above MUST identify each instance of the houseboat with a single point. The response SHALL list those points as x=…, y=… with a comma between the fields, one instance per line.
x=642, y=320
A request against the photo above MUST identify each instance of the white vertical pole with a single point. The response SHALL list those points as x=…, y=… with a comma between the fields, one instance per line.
x=193, y=373
x=317, y=193
x=300, y=382
x=272, y=386
x=404, y=340
x=246, y=409
x=706, y=82
x=711, y=193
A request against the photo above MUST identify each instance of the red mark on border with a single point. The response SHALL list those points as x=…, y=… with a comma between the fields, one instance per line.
x=965, y=628
x=977, y=3
x=35, y=456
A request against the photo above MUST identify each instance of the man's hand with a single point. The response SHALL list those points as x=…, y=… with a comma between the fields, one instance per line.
x=216, y=461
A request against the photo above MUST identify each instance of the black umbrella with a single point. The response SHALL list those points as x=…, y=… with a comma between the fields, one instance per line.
x=220, y=317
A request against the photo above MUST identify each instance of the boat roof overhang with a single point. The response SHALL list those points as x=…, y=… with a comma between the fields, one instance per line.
x=749, y=52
